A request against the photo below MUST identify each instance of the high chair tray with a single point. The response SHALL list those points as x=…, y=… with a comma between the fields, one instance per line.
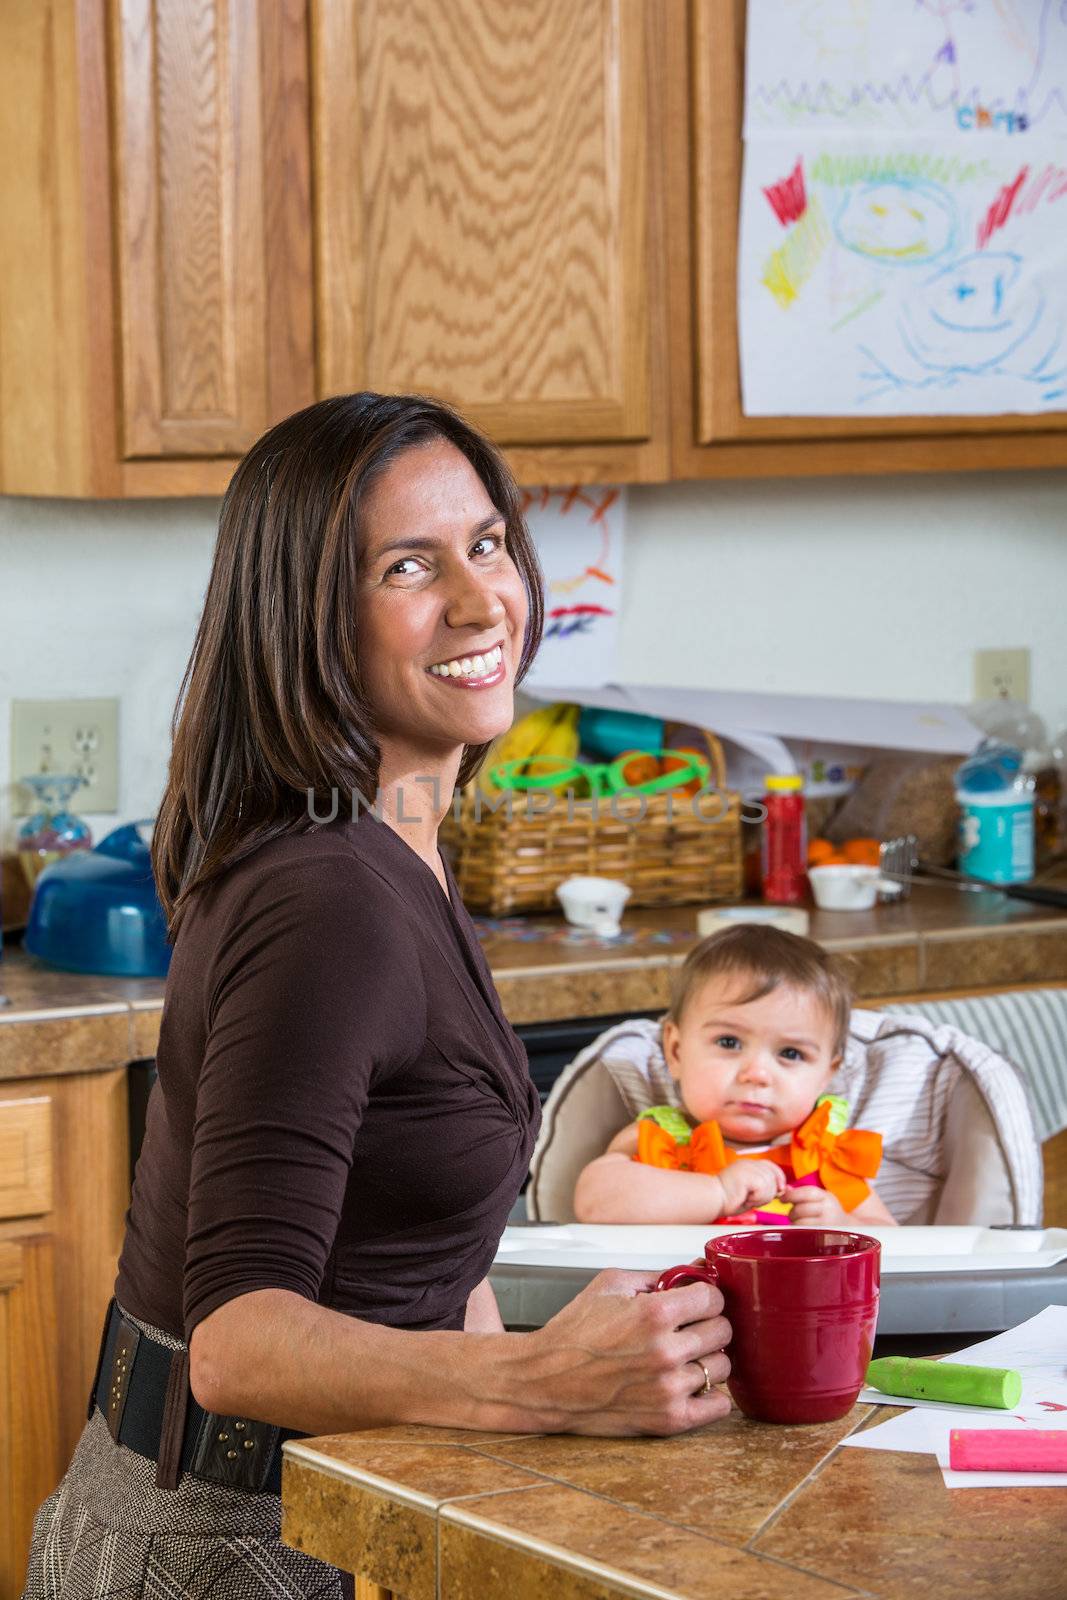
x=935, y=1281
x=924, y=1251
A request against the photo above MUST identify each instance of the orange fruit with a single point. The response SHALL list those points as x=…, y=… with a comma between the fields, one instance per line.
x=819, y=851
x=861, y=852
x=679, y=760
x=640, y=766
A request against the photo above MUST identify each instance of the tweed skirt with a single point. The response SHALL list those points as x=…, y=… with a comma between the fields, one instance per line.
x=108, y=1531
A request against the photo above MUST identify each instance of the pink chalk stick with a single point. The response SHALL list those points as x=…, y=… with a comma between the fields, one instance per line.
x=1008, y=1449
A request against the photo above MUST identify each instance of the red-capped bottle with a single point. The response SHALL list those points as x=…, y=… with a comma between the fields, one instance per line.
x=785, y=841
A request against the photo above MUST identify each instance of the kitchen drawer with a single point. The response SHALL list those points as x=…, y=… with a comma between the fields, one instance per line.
x=25, y=1157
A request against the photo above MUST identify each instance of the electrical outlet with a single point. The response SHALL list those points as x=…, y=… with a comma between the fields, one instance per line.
x=76, y=736
x=1002, y=675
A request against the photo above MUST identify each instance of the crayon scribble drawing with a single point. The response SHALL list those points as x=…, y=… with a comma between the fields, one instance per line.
x=579, y=537
x=978, y=317
x=903, y=242
x=905, y=66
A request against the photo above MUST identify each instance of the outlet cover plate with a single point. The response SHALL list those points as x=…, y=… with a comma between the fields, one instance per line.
x=77, y=736
x=1002, y=675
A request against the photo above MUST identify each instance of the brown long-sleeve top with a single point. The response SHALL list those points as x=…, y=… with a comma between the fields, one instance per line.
x=341, y=1108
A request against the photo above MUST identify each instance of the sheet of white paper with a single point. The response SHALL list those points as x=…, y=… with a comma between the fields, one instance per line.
x=579, y=534
x=1002, y=1480
x=927, y=1433
x=1037, y=1350
x=925, y=68
x=751, y=718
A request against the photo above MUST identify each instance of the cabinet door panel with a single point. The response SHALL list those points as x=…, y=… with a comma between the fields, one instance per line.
x=26, y=1156
x=31, y=1461
x=201, y=101
x=481, y=209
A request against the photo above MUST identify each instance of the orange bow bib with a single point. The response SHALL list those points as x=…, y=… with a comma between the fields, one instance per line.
x=842, y=1161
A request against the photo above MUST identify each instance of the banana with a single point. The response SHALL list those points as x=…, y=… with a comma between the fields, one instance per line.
x=550, y=730
x=562, y=737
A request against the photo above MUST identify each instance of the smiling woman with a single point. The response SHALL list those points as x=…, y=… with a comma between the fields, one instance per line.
x=443, y=616
x=342, y=1117
x=362, y=542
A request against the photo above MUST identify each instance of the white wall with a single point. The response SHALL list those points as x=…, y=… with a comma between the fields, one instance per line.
x=881, y=588
x=870, y=587
x=101, y=598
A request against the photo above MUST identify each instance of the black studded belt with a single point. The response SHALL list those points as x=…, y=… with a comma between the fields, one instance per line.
x=142, y=1389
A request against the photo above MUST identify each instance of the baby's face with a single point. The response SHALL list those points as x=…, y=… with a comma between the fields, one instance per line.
x=757, y=1068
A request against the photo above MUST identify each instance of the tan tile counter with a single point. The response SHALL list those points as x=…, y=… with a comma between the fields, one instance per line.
x=937, y=940
x=64, y=1022
x=759, y=1512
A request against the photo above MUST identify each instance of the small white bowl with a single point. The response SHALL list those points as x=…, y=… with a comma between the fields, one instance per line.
x=594, y=903
x=844, y=888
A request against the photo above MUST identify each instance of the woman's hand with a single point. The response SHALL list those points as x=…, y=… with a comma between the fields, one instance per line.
x=816, y=1208
x=617, y=1361
x=748, y=1183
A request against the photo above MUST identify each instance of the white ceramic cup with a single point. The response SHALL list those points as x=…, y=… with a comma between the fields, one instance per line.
x=594, y=904
x=845, y=888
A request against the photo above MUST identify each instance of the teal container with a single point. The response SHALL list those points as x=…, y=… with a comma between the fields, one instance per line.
x=607, y=734
x=997, y=835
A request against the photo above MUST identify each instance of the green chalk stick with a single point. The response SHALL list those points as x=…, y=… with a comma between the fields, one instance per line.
x=946, y=1380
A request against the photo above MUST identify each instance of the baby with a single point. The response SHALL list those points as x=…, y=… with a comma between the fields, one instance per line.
x=756, y=1029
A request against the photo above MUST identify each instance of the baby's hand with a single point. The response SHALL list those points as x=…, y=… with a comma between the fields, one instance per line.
x=748, y=1183
x=815, y=1208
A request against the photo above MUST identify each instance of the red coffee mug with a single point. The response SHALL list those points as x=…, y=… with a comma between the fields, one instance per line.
x=803, y=1304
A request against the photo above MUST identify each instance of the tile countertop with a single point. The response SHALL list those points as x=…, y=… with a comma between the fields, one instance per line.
x=742, y=1508
x=937, y=940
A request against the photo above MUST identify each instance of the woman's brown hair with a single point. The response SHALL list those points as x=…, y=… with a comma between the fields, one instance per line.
x=272, y=703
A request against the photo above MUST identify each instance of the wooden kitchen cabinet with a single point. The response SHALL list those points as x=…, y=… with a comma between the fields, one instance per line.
x=29, y=1434
x=711, y=437
x=211, y=240
x=64, y=1190
x=156, y=289
x=487, y=223
x=215, y=210
x=484, y=201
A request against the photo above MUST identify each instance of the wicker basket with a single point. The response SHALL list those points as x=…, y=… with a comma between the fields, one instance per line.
x=513, y=857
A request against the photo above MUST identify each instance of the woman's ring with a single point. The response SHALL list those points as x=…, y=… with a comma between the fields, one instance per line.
x=705, y=1387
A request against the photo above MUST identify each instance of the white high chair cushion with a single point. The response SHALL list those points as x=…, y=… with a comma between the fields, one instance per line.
x=977, y=1186
x=579, y=1127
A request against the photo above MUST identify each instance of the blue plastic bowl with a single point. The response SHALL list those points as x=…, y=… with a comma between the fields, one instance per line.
x=98, y=911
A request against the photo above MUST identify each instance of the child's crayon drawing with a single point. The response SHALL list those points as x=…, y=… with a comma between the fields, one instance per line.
x=903, y=240
x=579, y=537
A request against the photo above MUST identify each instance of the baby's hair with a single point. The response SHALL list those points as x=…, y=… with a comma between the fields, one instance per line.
x=768, y=957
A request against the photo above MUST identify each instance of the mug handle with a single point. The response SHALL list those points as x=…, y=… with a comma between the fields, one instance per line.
x=696, y=1272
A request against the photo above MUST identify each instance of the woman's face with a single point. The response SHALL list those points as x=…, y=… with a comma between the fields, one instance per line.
x=442, y=608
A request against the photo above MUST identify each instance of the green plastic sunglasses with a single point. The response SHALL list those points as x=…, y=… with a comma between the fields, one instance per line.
x=558, y=772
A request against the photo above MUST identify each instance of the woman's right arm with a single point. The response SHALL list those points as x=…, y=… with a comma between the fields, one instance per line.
x=614, y=1361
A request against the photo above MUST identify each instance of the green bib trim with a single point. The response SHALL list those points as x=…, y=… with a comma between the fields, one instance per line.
x=671, y=1120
